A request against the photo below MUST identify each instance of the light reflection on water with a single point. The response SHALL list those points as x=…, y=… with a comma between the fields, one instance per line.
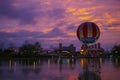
x=60, y=69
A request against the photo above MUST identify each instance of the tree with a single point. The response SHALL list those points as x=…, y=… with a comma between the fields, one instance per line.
x=38, y=48
x=9, y=51
x=1, y=46
x=11, y=46
x=116, y=50
x=28, y=49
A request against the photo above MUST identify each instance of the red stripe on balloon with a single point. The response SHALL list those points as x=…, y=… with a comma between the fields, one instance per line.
x=85, y=30
x=94, y=30
x=78, y=32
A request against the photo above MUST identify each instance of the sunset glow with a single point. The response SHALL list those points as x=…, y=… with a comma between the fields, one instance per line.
x=54, y=21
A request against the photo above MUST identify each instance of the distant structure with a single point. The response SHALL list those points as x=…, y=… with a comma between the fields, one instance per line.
x=92, y=50
x=65, y=50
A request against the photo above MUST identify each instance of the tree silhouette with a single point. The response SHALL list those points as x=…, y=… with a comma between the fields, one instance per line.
x=1, y=45
x=38, y=47
x=28, y=49
x=116, y=50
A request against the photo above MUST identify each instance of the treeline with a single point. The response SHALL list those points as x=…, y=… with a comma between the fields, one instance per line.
x=26, y=50
x=36, y=50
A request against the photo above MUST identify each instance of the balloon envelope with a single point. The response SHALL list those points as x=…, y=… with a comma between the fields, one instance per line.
x=88, y=32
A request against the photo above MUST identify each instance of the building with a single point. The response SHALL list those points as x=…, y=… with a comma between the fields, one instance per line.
x=92, y=50
x=65, y=50
x=69, y=48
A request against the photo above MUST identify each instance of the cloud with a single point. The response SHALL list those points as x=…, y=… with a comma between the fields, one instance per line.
x=56, y=32
x=50, y=38
x=115, y=24
x=50, y=21
x=71, y=27
x=56, y=13
x=23, y=14
x=112, y=26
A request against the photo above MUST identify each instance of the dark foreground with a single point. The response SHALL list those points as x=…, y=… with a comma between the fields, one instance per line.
x=60, y=68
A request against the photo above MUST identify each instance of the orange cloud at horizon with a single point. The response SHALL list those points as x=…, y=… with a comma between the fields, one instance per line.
x=71, y=33
x=114, y=28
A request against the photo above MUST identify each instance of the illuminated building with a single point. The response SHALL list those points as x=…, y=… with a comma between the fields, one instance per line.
x=92, y=50
x=66, y=49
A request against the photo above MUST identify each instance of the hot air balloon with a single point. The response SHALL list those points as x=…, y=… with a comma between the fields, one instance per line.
x=88, y=32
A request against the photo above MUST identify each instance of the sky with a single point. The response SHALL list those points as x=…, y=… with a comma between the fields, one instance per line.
x=53, y=21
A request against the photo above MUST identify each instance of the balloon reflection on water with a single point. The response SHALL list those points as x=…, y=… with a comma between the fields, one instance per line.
x=91, y=69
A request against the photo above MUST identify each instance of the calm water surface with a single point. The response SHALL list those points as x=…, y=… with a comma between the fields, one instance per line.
x=60, y=69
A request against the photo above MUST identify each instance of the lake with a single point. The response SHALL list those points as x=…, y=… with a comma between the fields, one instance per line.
x=60, y=69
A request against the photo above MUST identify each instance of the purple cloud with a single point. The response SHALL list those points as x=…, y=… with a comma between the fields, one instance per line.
x=25, y=34
x=57, y=13
x=23, y=14
x=19, y=37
